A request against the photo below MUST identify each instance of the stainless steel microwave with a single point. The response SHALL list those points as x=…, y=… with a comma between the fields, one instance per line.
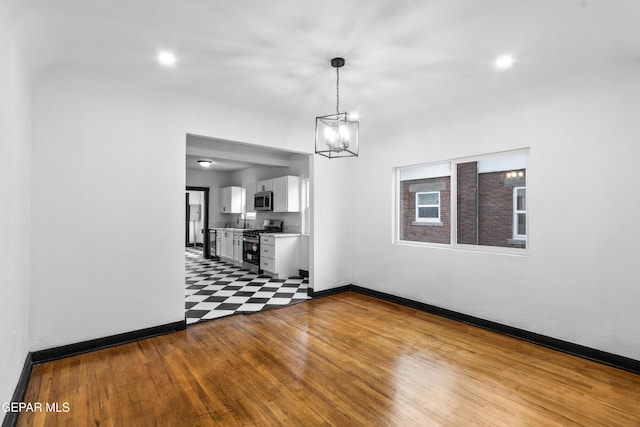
x=263, y=200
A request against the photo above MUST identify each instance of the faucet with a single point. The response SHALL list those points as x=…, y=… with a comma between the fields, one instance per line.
x=242, y=216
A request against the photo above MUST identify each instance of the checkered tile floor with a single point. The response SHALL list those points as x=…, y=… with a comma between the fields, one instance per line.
x=216, y=289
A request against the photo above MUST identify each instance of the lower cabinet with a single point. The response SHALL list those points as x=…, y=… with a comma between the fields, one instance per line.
x=219, y=233
x=229, y=244
x=280, y=254
x=237, y=247
x=225, y=246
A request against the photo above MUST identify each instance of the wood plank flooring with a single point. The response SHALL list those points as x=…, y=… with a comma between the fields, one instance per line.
x=342, y=360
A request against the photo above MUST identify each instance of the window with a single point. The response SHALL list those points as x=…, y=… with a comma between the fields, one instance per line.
x=428, y=207
x=475, y=201
x=424, y=203
x=487, y=194
x=519, y=213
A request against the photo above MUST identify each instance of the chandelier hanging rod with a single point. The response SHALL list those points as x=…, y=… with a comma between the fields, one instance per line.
x=337, y=63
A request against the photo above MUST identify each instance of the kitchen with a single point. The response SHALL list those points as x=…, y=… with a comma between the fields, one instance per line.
x=257, y=217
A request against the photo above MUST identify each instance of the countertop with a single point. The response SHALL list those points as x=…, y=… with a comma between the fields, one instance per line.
x=274, y=234
x=228, y=229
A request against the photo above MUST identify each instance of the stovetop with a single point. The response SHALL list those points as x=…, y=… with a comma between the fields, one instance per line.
x=253, y=232
x=258, y=232
x=270, y=226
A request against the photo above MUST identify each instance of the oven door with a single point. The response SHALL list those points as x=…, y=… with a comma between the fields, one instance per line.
x=251, y=252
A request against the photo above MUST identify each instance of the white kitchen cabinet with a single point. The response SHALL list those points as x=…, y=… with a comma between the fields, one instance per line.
x=229, y=244
x=250, y=192
x=226, y=243
x=286, y=194
x=280, y=254
x=237, y=246
x=266, y=185
x=232, y=200
x=219, y=232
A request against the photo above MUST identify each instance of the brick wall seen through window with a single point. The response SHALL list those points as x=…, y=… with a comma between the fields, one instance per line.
x=489, y=195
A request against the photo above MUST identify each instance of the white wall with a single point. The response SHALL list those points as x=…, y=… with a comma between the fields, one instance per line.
x=299, y=165
x=580, y=281
x=15, y=206
x=111, y=142
x=332, y=219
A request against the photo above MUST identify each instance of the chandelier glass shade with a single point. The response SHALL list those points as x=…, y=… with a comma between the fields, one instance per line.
x=337, y=134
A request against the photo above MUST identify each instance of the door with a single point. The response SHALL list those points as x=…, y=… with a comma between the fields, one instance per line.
x=203, y=225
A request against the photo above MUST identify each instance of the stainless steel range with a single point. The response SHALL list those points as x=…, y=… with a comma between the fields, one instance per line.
x=251, y=243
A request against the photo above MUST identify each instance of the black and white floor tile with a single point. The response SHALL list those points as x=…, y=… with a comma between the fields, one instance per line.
x=216, y=289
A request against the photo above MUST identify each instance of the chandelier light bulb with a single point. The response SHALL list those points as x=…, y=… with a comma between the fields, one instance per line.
x=329, y=135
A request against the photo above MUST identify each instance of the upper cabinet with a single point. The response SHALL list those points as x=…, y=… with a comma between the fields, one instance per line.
x=286, y=194
x=250, y=192
x=266, y=185
x=232, y=200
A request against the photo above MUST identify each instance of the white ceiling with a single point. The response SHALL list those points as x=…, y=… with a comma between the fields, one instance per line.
x=421, y=57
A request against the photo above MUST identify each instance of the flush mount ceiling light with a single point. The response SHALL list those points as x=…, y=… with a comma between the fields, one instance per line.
x=166, y=58
x=504, y=62
x=337, y=134
x=205, y=163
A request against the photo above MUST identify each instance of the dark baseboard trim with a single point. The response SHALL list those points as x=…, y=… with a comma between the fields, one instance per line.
x=603, y=357
x=56, y=353
x=303, y=273
x=11, y=418
x=329, y=292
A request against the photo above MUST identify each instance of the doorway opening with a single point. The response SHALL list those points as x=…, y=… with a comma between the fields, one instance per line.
x=220, y=283
x=197, y=219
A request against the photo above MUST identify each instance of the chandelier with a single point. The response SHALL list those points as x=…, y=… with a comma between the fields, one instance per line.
x=337, y=134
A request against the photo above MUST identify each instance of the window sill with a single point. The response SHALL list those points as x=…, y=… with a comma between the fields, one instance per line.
x=517, y=242
x=494, y=250
x=427, y=224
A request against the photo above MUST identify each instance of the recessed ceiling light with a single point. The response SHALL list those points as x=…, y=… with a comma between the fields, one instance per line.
x=205, y=163
x=504, y=62
x=166, y=58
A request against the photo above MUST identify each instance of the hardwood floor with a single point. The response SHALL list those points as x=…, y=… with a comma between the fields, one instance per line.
x=341, y=360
